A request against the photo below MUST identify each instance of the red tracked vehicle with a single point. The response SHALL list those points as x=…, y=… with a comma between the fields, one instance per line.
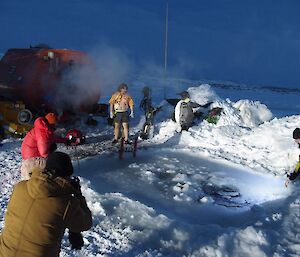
x=47, y=79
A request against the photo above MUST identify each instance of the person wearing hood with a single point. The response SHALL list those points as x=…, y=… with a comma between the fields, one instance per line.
x=41, y=208
x=184, y=114
x=39, y=142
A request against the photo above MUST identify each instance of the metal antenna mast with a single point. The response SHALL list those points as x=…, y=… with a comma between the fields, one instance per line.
x=166, y=49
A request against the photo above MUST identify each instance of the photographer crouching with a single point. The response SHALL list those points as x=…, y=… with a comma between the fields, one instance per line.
x=41, y=208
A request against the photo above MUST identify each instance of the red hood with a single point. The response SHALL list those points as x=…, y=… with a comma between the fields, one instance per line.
x=41, y=123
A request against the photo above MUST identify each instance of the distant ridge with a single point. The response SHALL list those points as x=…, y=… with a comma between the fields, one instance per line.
x=224, y=84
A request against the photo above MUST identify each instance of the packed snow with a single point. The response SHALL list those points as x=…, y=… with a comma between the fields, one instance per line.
x=214, y=190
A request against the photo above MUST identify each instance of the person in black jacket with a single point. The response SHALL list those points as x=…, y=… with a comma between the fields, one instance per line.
x=296, y=136
x=292, y=176
x=184, y=114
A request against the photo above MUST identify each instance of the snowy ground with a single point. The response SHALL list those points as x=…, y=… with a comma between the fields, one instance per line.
x=215, y=190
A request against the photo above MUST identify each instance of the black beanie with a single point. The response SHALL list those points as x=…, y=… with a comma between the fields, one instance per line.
x=296, y=133
x=60, y=163
x=184, y=95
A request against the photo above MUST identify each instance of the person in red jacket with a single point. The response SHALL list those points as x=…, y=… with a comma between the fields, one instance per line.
x=38, y=144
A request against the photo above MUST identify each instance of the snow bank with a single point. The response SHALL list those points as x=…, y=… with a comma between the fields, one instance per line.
x=202, y=94
x=244, y=134
x=247, y=243
x=242, y=113
x=253, y=113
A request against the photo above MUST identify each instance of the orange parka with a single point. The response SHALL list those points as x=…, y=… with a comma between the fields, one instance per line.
x=38, y=213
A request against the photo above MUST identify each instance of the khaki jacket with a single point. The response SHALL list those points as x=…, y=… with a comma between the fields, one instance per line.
x=38, y=213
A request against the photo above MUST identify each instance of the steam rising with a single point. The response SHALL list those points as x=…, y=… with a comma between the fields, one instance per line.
x=82, y=84
x=79, y=87
x=85, y=84
x=114, y=67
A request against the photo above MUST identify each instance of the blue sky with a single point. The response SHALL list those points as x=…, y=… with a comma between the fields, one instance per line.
x=250, y=41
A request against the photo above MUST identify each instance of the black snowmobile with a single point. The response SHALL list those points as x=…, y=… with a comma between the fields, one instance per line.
x=150, y=111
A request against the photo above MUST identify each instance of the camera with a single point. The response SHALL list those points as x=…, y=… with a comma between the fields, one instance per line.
x=75, y=182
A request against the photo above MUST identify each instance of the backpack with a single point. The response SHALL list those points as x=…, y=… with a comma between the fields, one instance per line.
x=214, y=115
x=75, y=137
